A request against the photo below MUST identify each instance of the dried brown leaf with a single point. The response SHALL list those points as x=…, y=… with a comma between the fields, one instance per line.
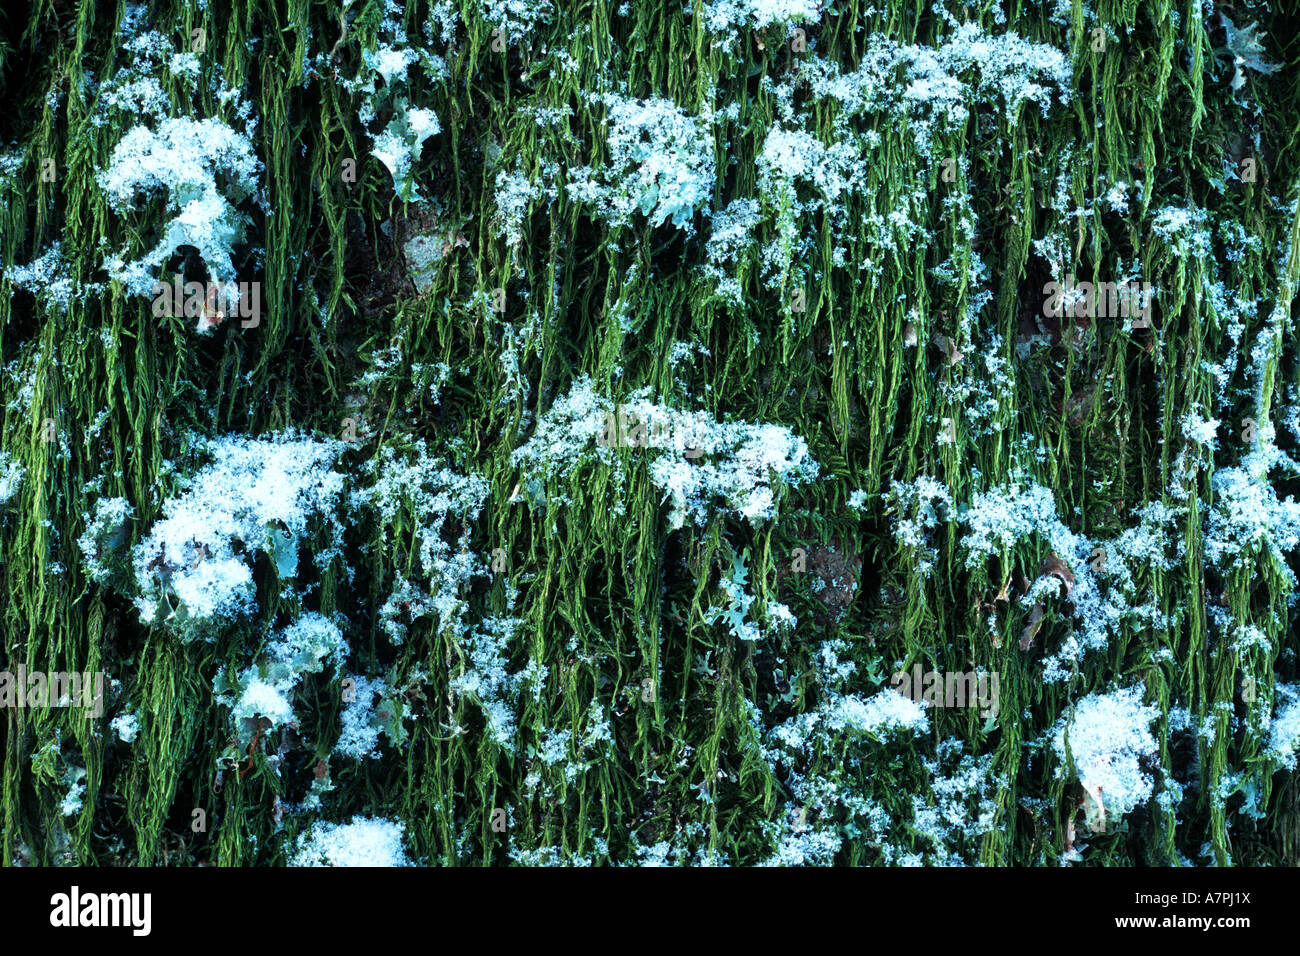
x=1054, y=565
x=1031, y=629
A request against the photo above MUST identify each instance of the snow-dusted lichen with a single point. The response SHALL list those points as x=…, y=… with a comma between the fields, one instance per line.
x=371, y=710
x=265, y=689
x=400, y=143
x=660, y=163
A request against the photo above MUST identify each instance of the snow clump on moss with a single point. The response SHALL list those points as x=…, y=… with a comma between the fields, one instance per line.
x=420, y=492
x=517, y=18
x=364, y=841
x=255, y=495
x=728, y=17
x=1285, y=732
x=11, y=477
x=1108, y=735
x=698, y=458
x=182, y=160
x=368, y=713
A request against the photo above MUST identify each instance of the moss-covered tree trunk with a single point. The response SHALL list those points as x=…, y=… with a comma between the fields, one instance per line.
x=725, y=432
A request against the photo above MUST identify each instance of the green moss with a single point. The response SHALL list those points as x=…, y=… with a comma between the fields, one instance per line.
x=868, y=337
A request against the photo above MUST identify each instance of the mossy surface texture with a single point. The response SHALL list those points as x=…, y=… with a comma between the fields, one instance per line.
x=598, y=433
